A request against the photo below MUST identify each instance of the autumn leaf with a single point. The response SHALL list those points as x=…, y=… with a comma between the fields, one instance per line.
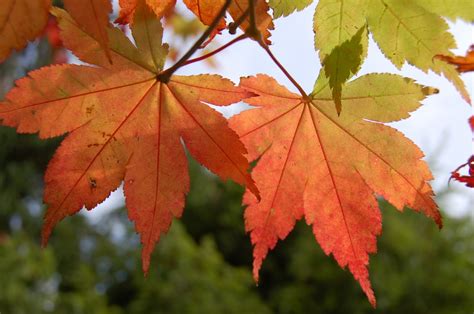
x=404, y=30
x=330, y=169
x=467, y=179
x=93, y=16
x=463, y=64
x=128, y=8
x=263, y=19
x=207, y=11
x=20, y=22
x=124, y=124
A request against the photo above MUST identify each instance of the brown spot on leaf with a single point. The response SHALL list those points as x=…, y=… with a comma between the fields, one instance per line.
x=92, y=183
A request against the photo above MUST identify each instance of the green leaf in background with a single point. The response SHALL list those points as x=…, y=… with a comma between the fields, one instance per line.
x=404, y=31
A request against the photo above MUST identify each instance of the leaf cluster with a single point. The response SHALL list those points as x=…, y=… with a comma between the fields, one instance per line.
x=323, y=156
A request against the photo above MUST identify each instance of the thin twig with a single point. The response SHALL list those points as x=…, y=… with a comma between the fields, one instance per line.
x=210, y=54
x=165, y=75
x=282, y=68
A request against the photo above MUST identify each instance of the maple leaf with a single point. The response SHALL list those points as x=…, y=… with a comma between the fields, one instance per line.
x=128, y=8
x=463, y=64
x=206, y=11
x=341, y=38
x=20, y=22
x=404, y=30
x=93, y=16
x=124, y=124
x=263, y=20
x=329, y=169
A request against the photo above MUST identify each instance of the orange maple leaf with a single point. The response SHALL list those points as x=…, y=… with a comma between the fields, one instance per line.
x=206, y=11
x=124, y=124
x=263, y=19
x=463, y=64
x=128, y=8
x=20, y=22
x=93, y=16
x=329, y=169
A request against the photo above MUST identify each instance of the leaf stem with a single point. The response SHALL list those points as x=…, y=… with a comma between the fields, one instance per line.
x=165, y=75
x=210, y=54
x=282, y=68
x=253, y=22
x=253, y=31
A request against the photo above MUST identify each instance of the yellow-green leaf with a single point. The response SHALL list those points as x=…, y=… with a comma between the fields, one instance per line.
x=407, y=32
x=341, y=38
x=286, y=7
x=452, y=9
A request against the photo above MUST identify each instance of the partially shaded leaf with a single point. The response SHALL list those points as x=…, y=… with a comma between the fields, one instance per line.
x=329, y=169
x=341, y=38
x=407, y=32
x=344, y=62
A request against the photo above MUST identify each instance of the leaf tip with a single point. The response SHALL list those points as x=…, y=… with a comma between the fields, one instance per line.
x=373, y=301
x=253, y=188
x=145, y=265
x=427, y=90
x=438, y=220
x=256, y=271
x=45, y=234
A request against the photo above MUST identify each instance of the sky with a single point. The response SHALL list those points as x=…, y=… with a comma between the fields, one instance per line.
x=439, y=128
